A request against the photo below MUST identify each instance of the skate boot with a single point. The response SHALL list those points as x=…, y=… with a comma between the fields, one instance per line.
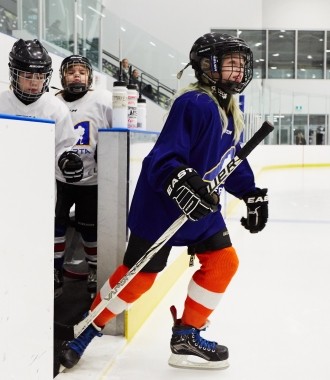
x=92, y=280
x=72, y=351
x=58, y=282
x=190, y=350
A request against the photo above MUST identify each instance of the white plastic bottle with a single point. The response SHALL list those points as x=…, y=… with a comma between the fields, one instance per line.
x=132, y=96
x=119, y=105
x=142, y=114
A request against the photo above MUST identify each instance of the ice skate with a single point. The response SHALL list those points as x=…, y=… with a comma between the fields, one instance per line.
x=72, y=351
x=58, y=283
x=92, y=280
x=190, y=350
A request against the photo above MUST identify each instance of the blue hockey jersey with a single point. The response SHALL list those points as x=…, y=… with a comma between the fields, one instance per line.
x=193, y=137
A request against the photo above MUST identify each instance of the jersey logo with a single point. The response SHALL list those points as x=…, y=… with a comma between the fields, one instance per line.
x=214, y=172
x=82, y=133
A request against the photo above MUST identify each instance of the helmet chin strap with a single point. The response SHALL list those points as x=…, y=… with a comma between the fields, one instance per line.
x=216, y=90
x=222, y=97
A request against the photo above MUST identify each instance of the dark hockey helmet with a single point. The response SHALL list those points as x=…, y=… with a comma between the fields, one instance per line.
x=29, y=60
x=78, y=87
x=215, y=47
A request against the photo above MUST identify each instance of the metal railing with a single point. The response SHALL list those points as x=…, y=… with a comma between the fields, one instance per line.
x=149, y=86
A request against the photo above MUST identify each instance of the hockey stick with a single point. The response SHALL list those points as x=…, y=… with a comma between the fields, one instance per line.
x=69, y=332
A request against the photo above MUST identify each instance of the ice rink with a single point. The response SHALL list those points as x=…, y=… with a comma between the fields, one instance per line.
x=275, y=315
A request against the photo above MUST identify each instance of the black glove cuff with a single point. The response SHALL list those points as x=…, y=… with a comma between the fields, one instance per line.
x=256, y=196
x=179, y=176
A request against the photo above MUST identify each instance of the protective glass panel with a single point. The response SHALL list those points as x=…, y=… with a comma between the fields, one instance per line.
x=30, y=18
x=59, y=26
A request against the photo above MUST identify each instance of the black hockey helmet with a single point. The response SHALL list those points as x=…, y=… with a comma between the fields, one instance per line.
x=29, y=57
x=215, y=47
x=72, y=60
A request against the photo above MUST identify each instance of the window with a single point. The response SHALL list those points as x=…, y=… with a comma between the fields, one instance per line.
x=231, y=32
x=317, y=129
x=281, y=53
x=328, y=55
x=256, y=39
x=310, y=55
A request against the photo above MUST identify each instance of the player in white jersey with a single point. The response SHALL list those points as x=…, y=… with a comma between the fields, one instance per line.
x=90, y=111
x=30, y=69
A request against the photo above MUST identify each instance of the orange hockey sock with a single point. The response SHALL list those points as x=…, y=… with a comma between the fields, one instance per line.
x=208, y=285
x=141, y=283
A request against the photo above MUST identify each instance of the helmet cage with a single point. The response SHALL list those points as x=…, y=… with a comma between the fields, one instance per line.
x=214, y=50
x=76, y=87
x=29, y=95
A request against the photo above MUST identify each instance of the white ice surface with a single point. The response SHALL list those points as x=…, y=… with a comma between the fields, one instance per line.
x=275, y=315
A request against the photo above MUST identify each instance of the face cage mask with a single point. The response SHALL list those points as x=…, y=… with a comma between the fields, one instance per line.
x=76, y=87
x=223, y=87
x=29, y=97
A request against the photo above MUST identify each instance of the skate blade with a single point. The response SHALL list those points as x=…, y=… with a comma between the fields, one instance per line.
x=195, y=362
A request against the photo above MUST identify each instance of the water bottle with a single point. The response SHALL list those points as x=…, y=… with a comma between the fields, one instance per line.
x=119, y=105
x=142, y=114
x=132, y=96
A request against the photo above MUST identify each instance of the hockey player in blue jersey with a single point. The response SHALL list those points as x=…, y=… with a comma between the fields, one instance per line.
x=200, y=134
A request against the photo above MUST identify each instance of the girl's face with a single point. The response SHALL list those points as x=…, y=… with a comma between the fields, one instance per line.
x=31, y=83
x=77, y=74
x=233, y=68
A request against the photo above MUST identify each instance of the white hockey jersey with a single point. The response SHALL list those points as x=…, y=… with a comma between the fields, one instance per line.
x=89, y=113
x=46, y=107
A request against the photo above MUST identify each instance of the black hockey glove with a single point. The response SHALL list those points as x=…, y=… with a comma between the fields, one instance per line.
x=257, y=210
x=71, y=166
x=189, y=191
